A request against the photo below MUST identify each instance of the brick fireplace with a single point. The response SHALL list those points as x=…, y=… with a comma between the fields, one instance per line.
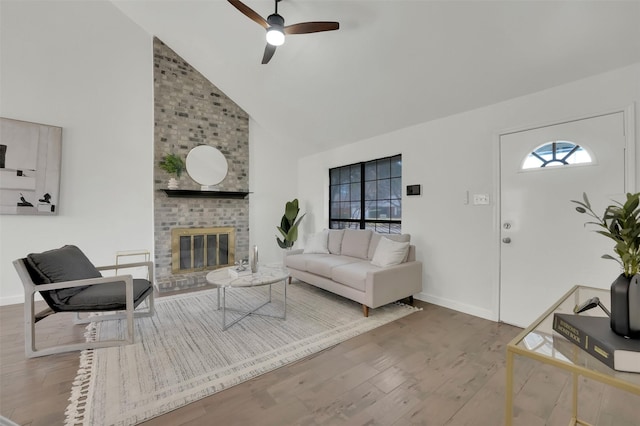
x=190, y=111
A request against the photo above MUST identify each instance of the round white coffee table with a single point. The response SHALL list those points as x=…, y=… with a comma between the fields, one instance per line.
x=266, y=275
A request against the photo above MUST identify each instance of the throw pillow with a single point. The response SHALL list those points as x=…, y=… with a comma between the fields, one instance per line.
x=375, y=239
x=389, y=253
x=317, y=243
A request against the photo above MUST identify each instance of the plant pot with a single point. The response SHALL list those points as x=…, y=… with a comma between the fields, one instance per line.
x=625, y=306
x=634, y=306
x=254, y=259
x=173, y=184
x=285, y=253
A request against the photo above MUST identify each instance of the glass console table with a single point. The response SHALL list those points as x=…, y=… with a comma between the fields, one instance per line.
x=540, y=342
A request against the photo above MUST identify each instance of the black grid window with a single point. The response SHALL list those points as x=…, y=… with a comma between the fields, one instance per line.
x=367, y=195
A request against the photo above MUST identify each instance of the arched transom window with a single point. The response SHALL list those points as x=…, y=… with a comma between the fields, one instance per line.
x=556, y=153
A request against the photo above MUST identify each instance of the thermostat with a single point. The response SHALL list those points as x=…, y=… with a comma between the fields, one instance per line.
x=414, y=189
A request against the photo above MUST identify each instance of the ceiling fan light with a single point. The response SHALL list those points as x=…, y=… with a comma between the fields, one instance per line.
x=275, y=36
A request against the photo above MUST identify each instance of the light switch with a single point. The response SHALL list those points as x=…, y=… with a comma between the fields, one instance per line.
x=480, y=199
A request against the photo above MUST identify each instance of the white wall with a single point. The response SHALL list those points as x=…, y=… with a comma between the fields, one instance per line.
x=272, y=182
x=457, y=242
x=87, y=68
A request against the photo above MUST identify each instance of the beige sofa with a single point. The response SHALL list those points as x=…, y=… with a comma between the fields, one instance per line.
x=359, y=265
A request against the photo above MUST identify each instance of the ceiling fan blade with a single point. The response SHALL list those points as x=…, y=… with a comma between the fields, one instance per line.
x=250, y=13
x=268, y=53
x=310, y=27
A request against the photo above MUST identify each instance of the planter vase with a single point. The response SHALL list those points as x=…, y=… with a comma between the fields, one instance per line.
x=173, y=184
x=634, y=306
x=625, y=306
x=285, y=253
x=254, y=259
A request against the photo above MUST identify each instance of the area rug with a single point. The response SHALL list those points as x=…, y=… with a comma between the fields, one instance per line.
x=181, y=353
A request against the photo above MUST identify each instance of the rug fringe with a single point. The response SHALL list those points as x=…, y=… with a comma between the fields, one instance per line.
x=80, y=386
x=407, y=306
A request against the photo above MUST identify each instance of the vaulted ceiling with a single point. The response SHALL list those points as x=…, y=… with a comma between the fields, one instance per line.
x=393, y=63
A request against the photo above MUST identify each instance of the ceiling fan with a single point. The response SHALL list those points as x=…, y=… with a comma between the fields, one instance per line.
x=276, y=30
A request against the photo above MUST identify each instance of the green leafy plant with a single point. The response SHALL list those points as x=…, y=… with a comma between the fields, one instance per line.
x=289, y=225
x=620, y=222
x=172, y=164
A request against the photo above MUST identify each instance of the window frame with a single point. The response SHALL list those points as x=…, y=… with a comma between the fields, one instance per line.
x=545, y=163
x=394, y=225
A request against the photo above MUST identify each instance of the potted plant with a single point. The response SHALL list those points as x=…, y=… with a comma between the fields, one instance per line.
x=172, y=164
x=621, y=223
x=289, y=225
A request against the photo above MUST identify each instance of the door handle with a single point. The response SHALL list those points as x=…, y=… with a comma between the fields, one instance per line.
x=506, y=240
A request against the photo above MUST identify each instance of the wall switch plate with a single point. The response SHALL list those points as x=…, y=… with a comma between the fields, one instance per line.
x=414, y=189
x=480, y=199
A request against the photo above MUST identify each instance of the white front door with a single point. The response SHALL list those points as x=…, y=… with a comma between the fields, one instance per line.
x=545, y=248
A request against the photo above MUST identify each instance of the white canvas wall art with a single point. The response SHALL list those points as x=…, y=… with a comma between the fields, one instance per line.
x=30, y=155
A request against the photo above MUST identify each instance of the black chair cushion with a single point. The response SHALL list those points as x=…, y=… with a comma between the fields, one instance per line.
x=107, y=297
x=67, y=263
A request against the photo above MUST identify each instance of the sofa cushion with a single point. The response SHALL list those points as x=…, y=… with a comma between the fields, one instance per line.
x=353, y=275
x=389, y=253
x=375, y=239
x=67, y=263
x=355, y=242
x=321, y=264
x=335, y=241
x=317, y=243
x=298, y=261
x=107, y=296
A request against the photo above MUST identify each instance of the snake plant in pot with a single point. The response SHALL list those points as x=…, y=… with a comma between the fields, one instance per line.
x=621, y=223
x=289, y=225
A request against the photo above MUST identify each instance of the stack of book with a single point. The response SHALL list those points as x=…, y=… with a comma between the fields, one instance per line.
x=594, y=335
x=234, y=273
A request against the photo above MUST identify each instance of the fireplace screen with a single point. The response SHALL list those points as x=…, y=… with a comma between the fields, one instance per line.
x=199, y=249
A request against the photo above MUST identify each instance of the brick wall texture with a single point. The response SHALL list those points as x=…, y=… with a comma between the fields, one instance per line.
x=190, y=111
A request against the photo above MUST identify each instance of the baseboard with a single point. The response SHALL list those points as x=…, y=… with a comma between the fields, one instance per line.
x=17, y=300
x=457, y=306
x=447, y=303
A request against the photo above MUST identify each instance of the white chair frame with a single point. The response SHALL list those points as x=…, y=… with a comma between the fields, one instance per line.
x=30, y=317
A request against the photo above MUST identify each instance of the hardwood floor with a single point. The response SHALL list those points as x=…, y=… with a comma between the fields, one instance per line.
x=434, y=367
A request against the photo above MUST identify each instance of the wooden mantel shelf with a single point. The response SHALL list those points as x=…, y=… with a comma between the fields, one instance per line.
x=194, y=193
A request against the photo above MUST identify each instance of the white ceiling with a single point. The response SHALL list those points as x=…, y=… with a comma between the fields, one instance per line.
x=393, y=63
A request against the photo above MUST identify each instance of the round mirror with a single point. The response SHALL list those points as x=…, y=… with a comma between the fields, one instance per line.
x=206, y=165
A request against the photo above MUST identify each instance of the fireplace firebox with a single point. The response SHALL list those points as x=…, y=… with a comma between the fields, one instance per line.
x=199, y=249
